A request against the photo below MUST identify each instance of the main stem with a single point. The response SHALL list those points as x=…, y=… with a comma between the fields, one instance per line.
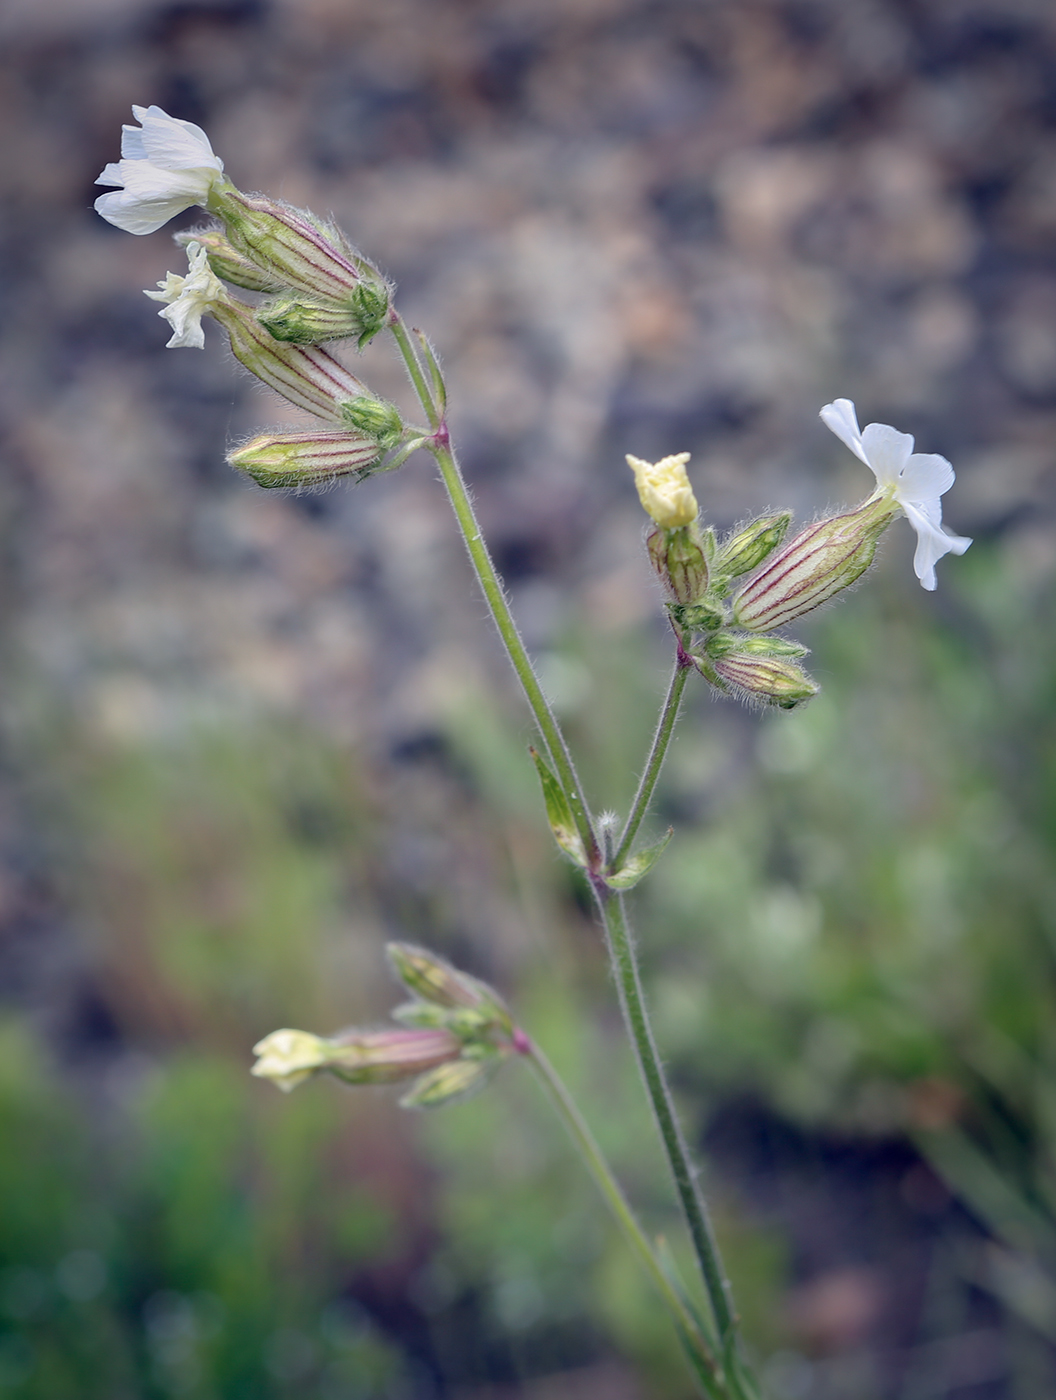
x=632, y=1000
x=621, y=949
x=491, y=585
x=515, y=648
x=610, y=1188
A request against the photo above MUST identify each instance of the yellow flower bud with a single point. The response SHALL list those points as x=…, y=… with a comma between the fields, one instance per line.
x=664, y=490
x=288, y=1057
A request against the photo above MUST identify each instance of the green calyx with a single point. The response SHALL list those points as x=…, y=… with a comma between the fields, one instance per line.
x=704, y=616
x=746, y=548
x=680, y=558
x=375, y=418
x=301, y=322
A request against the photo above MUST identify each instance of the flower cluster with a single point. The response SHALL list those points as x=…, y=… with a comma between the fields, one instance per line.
x=735, y=649
x=316, y=288
x=455, y=1032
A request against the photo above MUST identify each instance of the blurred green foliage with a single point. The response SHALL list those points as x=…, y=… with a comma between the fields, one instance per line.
x=855, y=924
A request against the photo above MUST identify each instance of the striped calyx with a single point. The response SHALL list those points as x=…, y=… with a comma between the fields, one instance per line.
x=305, y=375
x=304, y=459
x=290, y=245
x=822, y=559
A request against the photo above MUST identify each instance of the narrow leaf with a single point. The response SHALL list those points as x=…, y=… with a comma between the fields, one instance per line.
x=632, y=869
x=559, y=812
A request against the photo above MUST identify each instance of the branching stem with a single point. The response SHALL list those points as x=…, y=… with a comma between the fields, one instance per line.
x=729, y=1379
x=610, y=1188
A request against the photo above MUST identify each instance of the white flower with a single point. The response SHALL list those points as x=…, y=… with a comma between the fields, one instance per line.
x=913, y=480
x=166, y=166
x=189, y=298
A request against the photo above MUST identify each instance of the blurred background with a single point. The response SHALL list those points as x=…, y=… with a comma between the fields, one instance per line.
x=248, y=737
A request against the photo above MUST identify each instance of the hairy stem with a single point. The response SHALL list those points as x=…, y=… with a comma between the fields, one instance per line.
x=632, y=1000
x=661, y=739
x=610, y=1188
x=414, y=369
x=495, y=596
x=730, y=1381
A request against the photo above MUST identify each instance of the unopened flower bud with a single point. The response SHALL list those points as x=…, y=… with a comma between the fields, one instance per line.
x=305, y=375
x=822, y=559
x=680, y=560
x=767, y=680
x=435, y=980
x=748, y=645
x=289, y=245
x=304, y=459
x=375, y=418
x=289, y=1057
x=310, y=323
x=464, y=1021
x=746, y=549
x=225, y=262
x=449, y=1083
x=664, y=490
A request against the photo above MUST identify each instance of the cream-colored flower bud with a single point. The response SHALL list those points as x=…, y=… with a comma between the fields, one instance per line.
x=664, y=490
x=289, y=1057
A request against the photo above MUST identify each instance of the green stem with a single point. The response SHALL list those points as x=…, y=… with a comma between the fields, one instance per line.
x=496, y=600
x=414, y=369
x=611, y=909
x=610, y=1188
x=664, y=729
x=632, y=999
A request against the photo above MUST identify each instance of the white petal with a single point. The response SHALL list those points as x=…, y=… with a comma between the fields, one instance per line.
x=186, y=323
x=169, y=290
x=137, y=215
x=190, y=298
x=840, y=418
x=168, y=142
x=932, y=543
x=111, y=175
x=926, y=476
x=151, y=196
x=132, y=147
x=887, y=451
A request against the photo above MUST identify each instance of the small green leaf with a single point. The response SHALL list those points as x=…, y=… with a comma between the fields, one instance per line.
x=559, y=812
x=632, y=869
